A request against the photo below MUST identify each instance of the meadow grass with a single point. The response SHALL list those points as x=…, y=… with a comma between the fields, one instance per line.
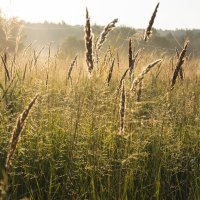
x=70, y=147
x=90, y=137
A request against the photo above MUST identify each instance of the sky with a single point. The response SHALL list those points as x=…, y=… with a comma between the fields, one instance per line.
x=171, y=14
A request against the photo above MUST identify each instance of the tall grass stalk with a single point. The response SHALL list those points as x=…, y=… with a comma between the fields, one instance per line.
x=89, y=43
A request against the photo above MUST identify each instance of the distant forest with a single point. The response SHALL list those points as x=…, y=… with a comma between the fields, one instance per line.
x=70, y=39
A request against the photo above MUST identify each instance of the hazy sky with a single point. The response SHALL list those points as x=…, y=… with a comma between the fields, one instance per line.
x=135, y=13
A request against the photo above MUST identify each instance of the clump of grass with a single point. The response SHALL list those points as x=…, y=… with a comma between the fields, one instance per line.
x=89, y=43
x=147, y=32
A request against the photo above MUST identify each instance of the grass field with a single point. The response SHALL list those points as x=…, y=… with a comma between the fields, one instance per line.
x=87, y=138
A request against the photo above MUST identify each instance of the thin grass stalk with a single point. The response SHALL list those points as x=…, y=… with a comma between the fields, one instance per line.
x=7, y=89
x=132, y=67
x=3, y=186
x=110, y=72
x=88, y=44
x=141, y=76
x=49, y=56
x=118, y=60
x=37, y=55
x=5, y=64
x=139, y=92
x=71, y=68
x=130, y=55
x=147, y=32
x=121, y=80
x=24, y=73
x=47, y=79
x=181, y=68
x=179, y=64
x=48, y=64
x=13, y=65
x=177, y=53
x=122, y=109
x=104, y=34
x=16, y=132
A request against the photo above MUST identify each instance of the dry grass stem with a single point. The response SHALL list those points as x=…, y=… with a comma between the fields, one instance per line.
x=118, y=60
x=16, y=133
x=177, y=53
x=139, y=92
x=133, y=63
x=130, y=54
x=141, y=76
x=105, y=33
x=122, y=110
x=179, y=65
x=110, y=72
x=88, y=44
x=121, y=80
x=148, y=29
x=37, y=55
x=181, y=69
x=5, y=64
x=24, y=73
x=8, y=87
x=71, y=68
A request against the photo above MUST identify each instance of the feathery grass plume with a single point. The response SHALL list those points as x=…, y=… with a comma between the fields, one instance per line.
x=181, y=68
x=5, y=64
x=16, y=132
x=147, y=32
x=105, y=33
x=88, y=43
x=133, y=64
x=179, y=64
x=141, y=76
x=108, y=56
x=110, y=72
x=122, y=109
x=70, y=69
x=130, y=55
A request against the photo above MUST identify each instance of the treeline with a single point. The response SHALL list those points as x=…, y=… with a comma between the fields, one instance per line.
x=70, y=39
